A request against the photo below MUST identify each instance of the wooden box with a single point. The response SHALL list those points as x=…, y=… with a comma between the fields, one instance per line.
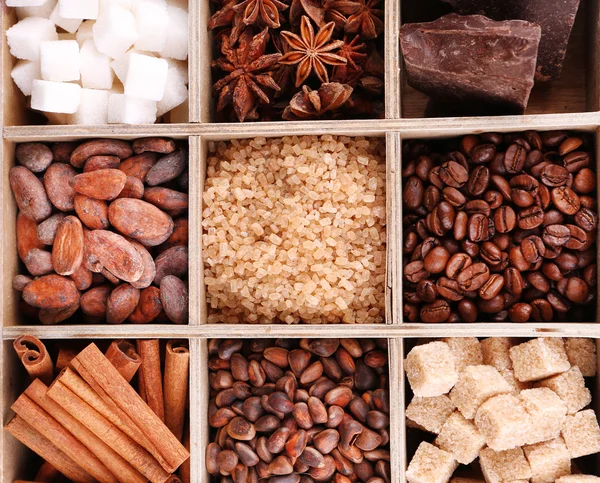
x=572, y=103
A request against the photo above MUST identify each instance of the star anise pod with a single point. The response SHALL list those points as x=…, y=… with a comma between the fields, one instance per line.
x=366, y=21
x=227, y=17
x=311, y=52
x=246, y=66
x=309, y=104
x=265, y=10
x=338, y=11
x=282, y=74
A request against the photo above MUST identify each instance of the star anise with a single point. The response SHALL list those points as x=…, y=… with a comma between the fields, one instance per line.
x=246, y=66
x=366, y=21
x=312, y=52
x=282, y=74
x=265, y=10
x=309, y=104
x=226, y=17
x=338, y=11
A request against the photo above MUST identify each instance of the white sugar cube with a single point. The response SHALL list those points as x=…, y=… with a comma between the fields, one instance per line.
x=176, y=92
x=85, y=32
x=105, y=4
x=59, y=60
x=24, y=38
x=115, y=31
x=152, y=18
x=55, y=96
x=24, y=3
x=93, y=108
x=146, y=77
x=82, y=9
x=24, y=73
x=69, y=24
x=123, y=109
x=43, y=11
x=181, y=68
x=96, y=72
x=176, y=44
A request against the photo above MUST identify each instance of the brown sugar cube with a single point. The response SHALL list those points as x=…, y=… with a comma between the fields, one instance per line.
x=430, y=465
x=547, y=413
x=570, y=387
x=518, y=386
x=495, y=352
x=466, y=351
x=503, y=422
x=429, y=413
x=582, y=434
x=461, y=438
x=539, y=358
x=578, y=479
x=430, y=369
x=476, y=384
x=582, y=353
x=548, y=460
x=504, y=466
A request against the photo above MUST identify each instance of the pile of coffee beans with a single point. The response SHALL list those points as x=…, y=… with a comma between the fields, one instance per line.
x=500, y=228
x=291, y=411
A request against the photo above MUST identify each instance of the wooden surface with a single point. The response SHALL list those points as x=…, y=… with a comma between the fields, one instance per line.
x=561, y=106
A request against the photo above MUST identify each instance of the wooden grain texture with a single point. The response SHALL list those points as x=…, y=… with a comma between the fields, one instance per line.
x=558, y=107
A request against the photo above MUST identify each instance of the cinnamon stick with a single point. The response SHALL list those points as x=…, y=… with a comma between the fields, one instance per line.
x=64, y=358
x=40, y=445
x=138, y=457
x=102, y=376
x=124, y=471
x=47, y=473
x=123, y=356
x=54, y=432
x=35, y=357
x=149, y=351
x=108, y=409
x=177, y=367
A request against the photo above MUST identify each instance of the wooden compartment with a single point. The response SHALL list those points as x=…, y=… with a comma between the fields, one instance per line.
x=412, y=437
x=19, y=462
x=575, y=91
x=10, y=262
x=16, y=113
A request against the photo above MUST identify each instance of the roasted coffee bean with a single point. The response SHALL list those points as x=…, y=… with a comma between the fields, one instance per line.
x=577, y=290
x=514, y=158
x=473, y=277
x=530, y=218
x=436, y=260
x=523, y=206
x=492, y=287
x=449, y=289
x=413, y=193
x=438, y=311
x=576, y=161
x=520, y=312
x=554, y=175
x=586, y=219
x=556, y=235
x=566, y=200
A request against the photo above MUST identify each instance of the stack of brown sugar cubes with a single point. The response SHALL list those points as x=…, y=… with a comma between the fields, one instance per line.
x=518, y=407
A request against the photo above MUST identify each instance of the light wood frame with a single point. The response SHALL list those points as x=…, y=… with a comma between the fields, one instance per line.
x=198, y=131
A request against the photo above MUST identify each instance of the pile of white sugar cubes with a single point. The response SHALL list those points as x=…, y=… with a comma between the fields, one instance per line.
x=101, y=61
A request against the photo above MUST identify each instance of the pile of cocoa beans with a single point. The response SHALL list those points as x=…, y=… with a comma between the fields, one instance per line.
x=102, y=231
x=289, y=411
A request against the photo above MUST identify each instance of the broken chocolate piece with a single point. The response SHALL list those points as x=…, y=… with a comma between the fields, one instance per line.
x=472, y=59
x=556, y=17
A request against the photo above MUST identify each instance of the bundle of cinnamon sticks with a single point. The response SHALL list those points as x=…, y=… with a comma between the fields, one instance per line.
x=90, y=424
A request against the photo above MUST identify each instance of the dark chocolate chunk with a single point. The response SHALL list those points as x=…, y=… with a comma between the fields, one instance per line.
x=556, y=17
x=472, y=59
